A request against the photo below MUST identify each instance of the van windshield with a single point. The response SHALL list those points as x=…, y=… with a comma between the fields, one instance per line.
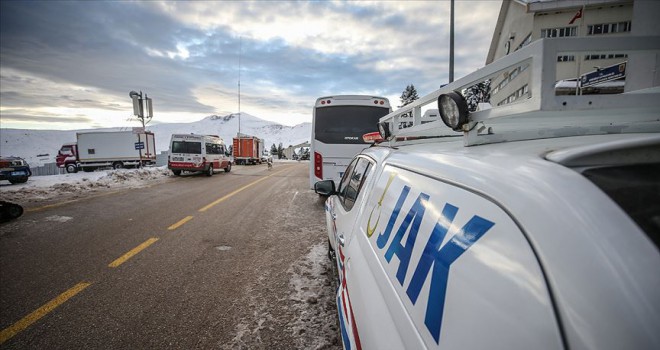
x=186, y=147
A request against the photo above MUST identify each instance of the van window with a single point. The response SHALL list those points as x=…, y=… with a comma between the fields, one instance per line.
x=186, y=147
x=636, y=189
x=352, y=182
x=344, y=180
x=214, y=148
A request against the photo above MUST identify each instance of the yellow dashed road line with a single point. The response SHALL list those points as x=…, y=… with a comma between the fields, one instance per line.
x=181, y=222
x=28, y=320
x=220, y=200
x=132, y=252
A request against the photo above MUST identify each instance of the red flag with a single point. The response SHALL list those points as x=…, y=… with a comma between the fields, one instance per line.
x=577, y=15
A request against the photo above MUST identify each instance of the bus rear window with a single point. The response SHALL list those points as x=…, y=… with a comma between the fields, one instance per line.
x=186, y=147
x=636, y=189
x=346, y=124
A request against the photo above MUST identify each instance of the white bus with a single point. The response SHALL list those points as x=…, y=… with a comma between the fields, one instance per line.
x=337, y=128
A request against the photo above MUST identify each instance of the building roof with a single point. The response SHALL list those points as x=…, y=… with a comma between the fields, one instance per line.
x=548, y=5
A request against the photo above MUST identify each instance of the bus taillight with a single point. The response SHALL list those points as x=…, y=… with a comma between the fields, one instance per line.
x=318, y=165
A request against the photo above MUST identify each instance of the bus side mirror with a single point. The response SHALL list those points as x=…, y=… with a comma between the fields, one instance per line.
x=325, y=188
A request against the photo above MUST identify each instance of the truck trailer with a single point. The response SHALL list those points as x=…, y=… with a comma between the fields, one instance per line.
x=117, y=149
x=247, y=149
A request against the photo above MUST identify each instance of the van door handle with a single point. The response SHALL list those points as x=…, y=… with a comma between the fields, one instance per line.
x=340, y=237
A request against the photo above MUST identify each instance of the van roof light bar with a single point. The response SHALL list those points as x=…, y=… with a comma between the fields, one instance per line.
x=539, y=112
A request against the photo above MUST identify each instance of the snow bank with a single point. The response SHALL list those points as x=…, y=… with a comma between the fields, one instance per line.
x=39, y=188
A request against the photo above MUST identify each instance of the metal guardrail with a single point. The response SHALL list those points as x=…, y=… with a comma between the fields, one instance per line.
x=47, y=169
x=161, y=158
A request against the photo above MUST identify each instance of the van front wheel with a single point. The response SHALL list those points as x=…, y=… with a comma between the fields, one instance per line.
x=228, y=168
x=209, y=171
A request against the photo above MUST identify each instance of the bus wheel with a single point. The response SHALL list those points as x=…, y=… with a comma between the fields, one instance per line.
x=176, y=172
x=209, y=171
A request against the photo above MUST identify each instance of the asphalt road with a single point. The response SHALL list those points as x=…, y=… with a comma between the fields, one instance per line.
x=232, y=261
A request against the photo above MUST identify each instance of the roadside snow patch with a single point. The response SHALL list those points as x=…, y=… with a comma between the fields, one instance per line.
x=312, y=280
x=58, y=218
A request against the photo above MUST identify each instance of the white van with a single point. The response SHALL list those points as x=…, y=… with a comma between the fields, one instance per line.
x=534, y=225
x=190, y=152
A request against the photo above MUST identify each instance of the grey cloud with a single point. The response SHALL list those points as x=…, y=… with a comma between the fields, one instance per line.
x=19, y=99
x=104, y=45
x=4, y=117
x=92, y=44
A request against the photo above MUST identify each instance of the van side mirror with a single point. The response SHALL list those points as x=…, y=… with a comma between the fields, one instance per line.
x=325, y=188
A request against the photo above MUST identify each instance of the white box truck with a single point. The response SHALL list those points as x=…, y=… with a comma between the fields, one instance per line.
x=117, y=149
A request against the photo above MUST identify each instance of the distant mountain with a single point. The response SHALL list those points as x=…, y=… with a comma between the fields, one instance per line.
x=38, y=147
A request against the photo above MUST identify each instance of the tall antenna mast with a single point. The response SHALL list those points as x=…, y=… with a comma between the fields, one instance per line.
x=240, y=47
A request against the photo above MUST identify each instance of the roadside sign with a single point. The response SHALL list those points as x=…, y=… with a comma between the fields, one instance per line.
x=139, y=145
x=602, y=75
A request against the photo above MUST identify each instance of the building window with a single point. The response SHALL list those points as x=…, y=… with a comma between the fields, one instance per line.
x=525, y=42
x=605, y=28
x=565, y=58
x=604, y=56
x=508, y=77
x=558, y=32
x=516, y=95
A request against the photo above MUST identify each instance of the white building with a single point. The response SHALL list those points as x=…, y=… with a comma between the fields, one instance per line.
x=523, y=21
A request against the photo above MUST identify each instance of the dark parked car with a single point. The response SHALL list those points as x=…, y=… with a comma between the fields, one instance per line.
x=14, y=169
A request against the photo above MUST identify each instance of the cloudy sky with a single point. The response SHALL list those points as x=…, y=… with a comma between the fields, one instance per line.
x=71, y=64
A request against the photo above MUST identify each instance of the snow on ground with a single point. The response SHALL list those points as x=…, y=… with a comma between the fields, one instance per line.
x=41, y=188
x=314, y=301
